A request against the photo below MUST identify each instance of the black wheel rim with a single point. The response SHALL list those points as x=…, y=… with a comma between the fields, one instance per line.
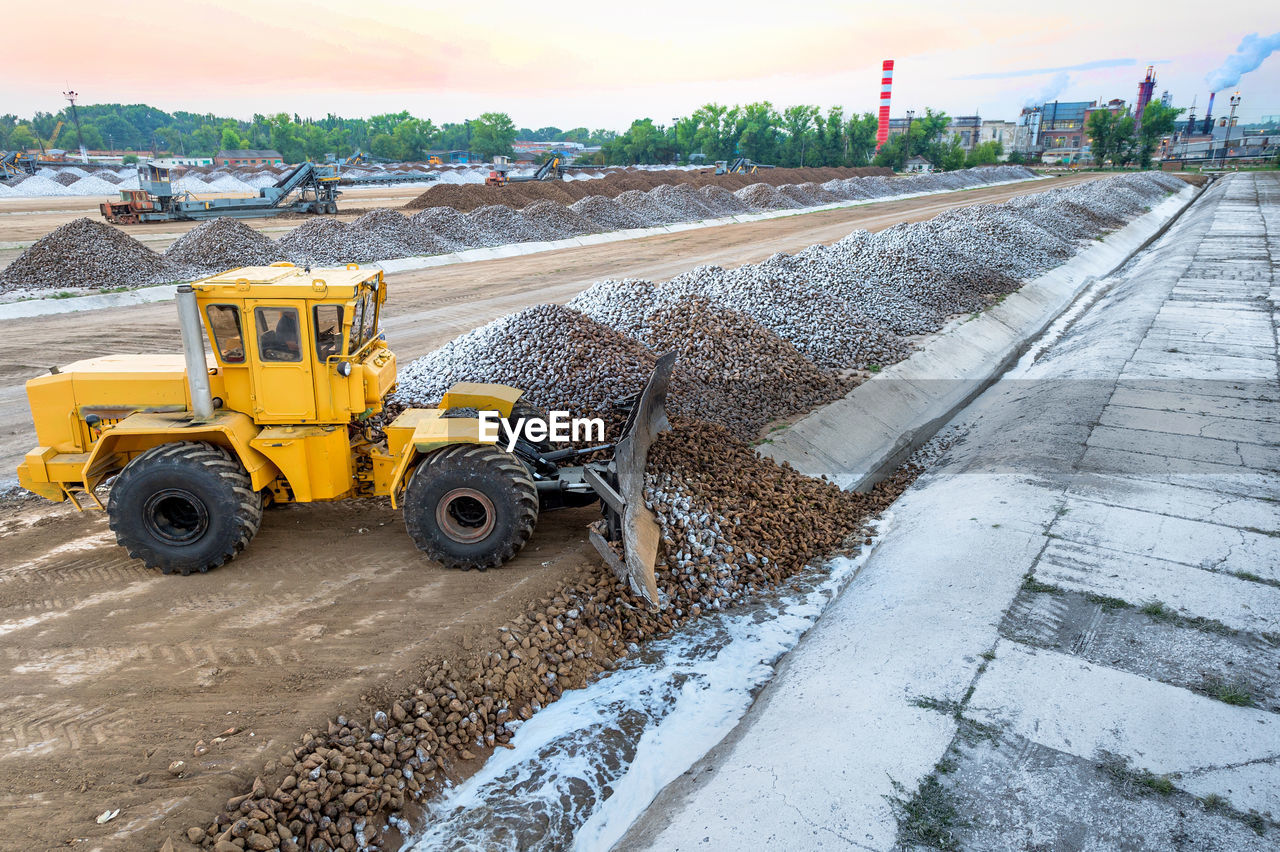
x=175, y=516
x=465, y=515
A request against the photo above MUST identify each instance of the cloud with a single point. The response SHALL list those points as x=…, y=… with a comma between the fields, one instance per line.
x=1029, y=72
x=1249, y=55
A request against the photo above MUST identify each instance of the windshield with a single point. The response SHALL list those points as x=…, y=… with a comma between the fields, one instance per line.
x=364, y=321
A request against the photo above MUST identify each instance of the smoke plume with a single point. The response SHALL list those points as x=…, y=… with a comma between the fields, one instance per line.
x=1052, y=89
x=1251, y=53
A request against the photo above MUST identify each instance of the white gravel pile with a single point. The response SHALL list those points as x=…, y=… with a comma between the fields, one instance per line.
x=498, y=225
x=830, y=332
x=722, y=202
x=221, y=244
x=684, y=202
x=40, y=186
x=761, y=196
x=561, y=359
x=229, y=183
x=86, y=253
x=607, y=214
x=558, y=221
x=623, y=304
x=380, y=234
x=94, y=185
x=450, y=228
x=317, y=242
x=646, y=207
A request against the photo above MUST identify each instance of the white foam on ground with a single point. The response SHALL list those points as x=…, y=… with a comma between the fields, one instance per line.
x=630, y=733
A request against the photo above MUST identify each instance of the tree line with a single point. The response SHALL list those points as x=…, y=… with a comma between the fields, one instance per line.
x=800, y=135
x=394, y=136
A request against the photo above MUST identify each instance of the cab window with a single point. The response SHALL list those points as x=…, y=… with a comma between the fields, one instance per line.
x=328, y=331
x=278, y=338
x=224, y=322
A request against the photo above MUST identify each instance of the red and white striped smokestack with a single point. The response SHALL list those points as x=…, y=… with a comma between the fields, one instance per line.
x=886, y=85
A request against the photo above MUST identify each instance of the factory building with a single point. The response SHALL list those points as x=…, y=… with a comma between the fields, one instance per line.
x=248, y=157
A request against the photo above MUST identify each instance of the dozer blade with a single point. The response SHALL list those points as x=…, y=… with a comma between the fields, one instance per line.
x=620, y=484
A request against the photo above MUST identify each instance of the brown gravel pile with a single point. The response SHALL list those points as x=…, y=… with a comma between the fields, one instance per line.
x=65, y=178
x=86, y=253
x=759, y=376
x=339, y=784
x=460, y=197
x=762, y=196
x=222, y=244
x=468, y=197
x=608, y=214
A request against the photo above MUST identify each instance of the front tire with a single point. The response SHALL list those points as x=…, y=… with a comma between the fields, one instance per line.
x=471, y=506
x=184, y=507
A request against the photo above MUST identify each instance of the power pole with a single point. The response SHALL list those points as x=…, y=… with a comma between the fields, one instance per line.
x=75, y=116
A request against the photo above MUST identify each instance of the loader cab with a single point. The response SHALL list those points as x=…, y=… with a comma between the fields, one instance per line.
x=298, y=347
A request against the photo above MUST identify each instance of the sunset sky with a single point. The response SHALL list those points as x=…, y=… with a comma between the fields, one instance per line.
x=602, y=65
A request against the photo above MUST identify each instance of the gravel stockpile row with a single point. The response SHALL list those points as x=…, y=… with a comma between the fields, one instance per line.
x=222, y=244
x=86, y=254
x=518, y=194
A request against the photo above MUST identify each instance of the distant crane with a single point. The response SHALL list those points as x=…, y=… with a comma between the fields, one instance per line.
x=75, y=116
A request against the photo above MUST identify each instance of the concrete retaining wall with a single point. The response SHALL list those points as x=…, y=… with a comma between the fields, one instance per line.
x=860, y=439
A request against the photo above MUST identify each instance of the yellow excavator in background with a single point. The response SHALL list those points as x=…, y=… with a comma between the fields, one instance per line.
x=194, y=445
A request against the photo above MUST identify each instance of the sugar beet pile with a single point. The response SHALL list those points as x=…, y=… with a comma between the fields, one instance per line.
x=448, y=218
x=733, y=523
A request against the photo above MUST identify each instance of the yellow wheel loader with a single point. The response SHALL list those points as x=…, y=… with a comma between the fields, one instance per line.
x=193, y=446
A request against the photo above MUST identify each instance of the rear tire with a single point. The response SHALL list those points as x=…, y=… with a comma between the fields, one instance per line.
x=184, y=507
x=471, y=506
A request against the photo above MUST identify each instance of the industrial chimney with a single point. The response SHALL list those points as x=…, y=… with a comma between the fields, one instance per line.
x=886, y=84
x=1145, y=90
x=1207, y=127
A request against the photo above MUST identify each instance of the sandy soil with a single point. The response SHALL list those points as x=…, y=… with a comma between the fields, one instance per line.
x=111, y=672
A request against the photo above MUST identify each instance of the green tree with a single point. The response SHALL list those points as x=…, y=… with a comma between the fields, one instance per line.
x=1158, y=121
x=860, y=140
x=893, y=153
x=230, y=140
x=22, y=138
x=801, y=125
x=1124, y=149
x=984, y=154
x=1100, y=128
x=492, y=135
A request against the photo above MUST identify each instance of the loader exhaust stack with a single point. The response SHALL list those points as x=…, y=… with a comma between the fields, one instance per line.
x=193, y=350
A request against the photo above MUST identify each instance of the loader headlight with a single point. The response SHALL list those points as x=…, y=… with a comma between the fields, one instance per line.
x=344, y=368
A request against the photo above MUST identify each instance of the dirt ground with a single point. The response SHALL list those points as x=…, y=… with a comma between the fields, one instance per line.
x=111, y=672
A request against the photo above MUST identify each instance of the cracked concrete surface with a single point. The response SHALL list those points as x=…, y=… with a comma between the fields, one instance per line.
x=1130, y=468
